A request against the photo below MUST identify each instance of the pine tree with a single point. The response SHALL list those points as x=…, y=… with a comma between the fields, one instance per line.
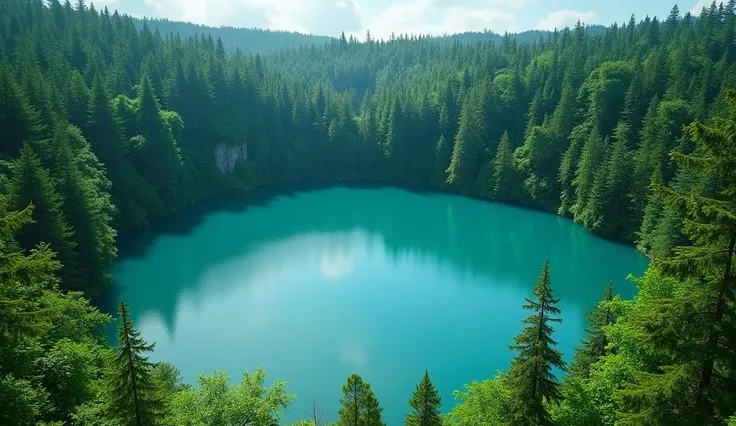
x=617, y=203
x=591, y=159
x=594, y=216
x=32, y=184
x=568, y=167
x=646, y=159
x=19, y=121
x=133, y=393
x=443, y=154
x=425, y=404
x=464, y=164
x=160, y=160
x=530, y=378
x=87, y=207
x=395, y=140
x=77, y=100
x=359, y=404
x=594, y=346
x=503, y=170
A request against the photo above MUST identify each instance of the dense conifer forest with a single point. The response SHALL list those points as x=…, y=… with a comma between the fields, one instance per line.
x=107, y=123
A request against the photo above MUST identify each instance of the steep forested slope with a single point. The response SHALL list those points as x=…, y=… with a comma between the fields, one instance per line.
x=105, y=127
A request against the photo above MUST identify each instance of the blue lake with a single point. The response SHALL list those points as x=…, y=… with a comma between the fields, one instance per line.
x=316, y=284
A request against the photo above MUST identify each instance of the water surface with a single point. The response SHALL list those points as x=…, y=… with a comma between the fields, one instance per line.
x=316, y=284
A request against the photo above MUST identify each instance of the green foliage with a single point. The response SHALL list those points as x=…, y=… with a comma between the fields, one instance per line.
x=692, y=331
x=425, y=404
x=359, y=406
x=483, y=403
x=106, y=125
x=69, y=371
x=215, y=402
x=50, y=360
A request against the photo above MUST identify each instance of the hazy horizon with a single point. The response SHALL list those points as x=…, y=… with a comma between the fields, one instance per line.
x=384, y=17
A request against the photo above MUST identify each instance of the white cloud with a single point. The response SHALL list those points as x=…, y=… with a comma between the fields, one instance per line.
x=565, y=18
x=698, y=7
x=308, y=16
x=485, y=4
x=438, y=17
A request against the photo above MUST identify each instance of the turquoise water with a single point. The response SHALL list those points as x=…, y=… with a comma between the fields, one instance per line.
x=316, y=284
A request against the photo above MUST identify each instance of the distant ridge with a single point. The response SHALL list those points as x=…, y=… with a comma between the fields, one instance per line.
x=256, y=40
x=248, y=40
x=528, y=36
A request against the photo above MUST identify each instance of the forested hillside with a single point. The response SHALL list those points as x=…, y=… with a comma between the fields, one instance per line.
x=630, y=131
x=245, y=40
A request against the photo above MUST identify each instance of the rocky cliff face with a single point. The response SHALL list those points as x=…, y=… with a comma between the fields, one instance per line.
x=226, y=155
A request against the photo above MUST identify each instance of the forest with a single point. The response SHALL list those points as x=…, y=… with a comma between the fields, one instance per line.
x=108, y=123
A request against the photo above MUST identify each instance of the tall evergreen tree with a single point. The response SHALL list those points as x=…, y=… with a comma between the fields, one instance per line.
x=87, y=207
x=504, y=181
x=594, y=346
x=135, y=399
x=617, y=202
x=464, y=164
x=531, y=378
x=443, y=154
x=32, y=184
x=425, y=404
x=19, y=121
x=589, y=168
x=160, y=159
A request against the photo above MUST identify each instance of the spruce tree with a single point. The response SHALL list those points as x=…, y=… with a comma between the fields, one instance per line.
x=646, y=160
x=87, y=207
x=568, y=167
x=425, y=404
x=594, y=346
x=359, y=404
x=134, y=396
x=31, y=184
x=160, y=161
x=617, y=203
x=589, y=168
x=443, y=154
x=531, y=379
x=464, y=163
x=503, y=170
x=19, y=121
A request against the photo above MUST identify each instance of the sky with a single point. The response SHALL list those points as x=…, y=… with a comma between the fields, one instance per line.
x=382, y=17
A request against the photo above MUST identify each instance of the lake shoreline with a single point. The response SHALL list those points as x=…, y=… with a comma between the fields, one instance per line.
x=309, y=185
